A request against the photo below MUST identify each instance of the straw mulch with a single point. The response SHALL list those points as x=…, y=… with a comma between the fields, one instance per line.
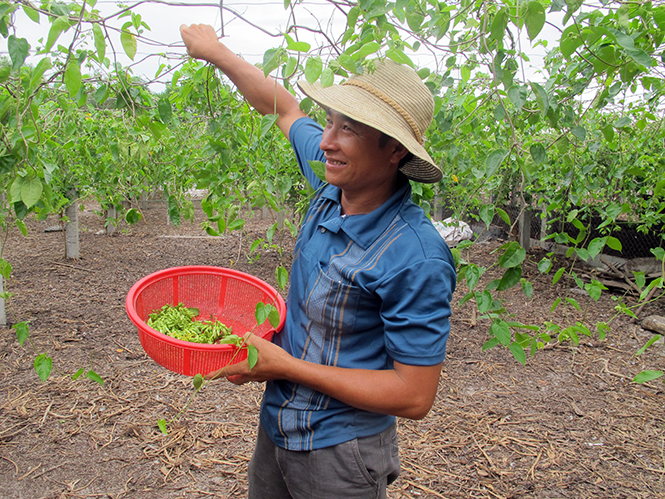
x=569, y=424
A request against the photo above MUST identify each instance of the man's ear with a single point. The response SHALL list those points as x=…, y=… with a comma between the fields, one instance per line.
x=398, y=151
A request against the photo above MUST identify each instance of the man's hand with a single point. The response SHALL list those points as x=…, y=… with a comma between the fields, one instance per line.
x=271, y=361
x=264, y=94
x=201, y=41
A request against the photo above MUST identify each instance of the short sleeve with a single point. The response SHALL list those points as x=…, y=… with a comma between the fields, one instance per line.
x=305, y=137
x=416, y=311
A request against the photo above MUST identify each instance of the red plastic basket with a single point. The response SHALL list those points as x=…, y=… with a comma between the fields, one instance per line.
x=229, y=295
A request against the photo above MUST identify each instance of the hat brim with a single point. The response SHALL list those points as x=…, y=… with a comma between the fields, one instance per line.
x=370, y=110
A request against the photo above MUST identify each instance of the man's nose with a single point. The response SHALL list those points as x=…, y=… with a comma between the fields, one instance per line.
x=328, y=140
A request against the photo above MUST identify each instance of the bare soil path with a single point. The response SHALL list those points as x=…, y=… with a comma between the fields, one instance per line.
x=569, y=424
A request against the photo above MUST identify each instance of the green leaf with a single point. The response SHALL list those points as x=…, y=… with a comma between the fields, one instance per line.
x=73, y=78
x=555, y=304
x=5, y=268
x=165, y=110
x=517, y=95
x=267, y=122
x=77, y=374
x=367, y=49
x=31, y=192
x=510, y=278
x=579, y=132
x=487, y=214
x=472, y=276
x=491, y=343
x=513, y=256
x=93, y=376
x=484, y=301
x=558, y=275
x=493, y=161
x=162, y=426
x=645, y=376
x=5, y=71
x=197, y=381
x=31, y=13
x=43, y=365
x=608, y=133
x=596, y=246
x=22, y=331
x=128, y=41
x=415, y=20
x=252, y=356
x=541, y=97
x=133, y=216
x=527, y=288
x=518, y=352
x=614, y=243
x=100, y=42
x=538, y=153
x=595, y=289
x=399, y=57
x=282, y=276
x=659, y=253
x=18, y=49
x=101, y=94
x=501, y=331
x=573, y=302
x=659, y=189
x=653, y=340
x=272, y=58
x=503, y=215
x=534, y=18
x=319, y=169
x=173, y=211
x=327, y=78
x=573, y=6
x=273, y=317
x=313, y=69
x=640, y=57
x=544, y=265
x=570, y=41
x=499, y=25
x=59, y=25
x=603, y=328
x=623, y=122
x=42, y=66
x=261, y=312
x=296, y=46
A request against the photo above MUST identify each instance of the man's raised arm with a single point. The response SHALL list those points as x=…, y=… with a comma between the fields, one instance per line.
x=263, y=94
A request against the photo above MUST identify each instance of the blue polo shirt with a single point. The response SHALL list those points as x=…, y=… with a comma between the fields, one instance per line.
x=365, y=290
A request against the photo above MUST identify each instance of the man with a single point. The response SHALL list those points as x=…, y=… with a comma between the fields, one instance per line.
x=371, y=282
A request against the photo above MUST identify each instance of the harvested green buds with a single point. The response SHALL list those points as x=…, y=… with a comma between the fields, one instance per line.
x=179, y=322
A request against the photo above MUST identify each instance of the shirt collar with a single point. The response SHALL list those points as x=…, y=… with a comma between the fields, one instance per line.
x=365, y=229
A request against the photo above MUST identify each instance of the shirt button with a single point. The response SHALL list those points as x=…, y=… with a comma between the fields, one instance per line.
x=323, y=230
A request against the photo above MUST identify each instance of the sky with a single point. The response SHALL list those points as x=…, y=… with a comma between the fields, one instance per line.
x=164, y=20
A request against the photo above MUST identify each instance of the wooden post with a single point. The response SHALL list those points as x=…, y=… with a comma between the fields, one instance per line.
x=111, y=220
x=524, y=225
x=3, y=312
x=72, y=226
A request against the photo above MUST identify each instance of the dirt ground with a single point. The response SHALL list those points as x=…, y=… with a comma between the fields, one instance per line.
x=569, y=424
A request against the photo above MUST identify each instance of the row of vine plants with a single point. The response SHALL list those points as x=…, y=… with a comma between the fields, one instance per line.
x=579, y=141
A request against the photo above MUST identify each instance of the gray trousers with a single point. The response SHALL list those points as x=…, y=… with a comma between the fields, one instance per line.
x=358, y=469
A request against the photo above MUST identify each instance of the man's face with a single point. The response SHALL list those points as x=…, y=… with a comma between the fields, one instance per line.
x=355, y=160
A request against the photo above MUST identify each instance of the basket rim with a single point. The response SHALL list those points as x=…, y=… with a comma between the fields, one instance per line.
x=140, y=285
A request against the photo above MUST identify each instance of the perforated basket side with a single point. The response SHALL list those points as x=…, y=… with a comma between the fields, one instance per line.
x=231, y=296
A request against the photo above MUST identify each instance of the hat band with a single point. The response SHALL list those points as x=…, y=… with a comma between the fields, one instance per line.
x=392, y=103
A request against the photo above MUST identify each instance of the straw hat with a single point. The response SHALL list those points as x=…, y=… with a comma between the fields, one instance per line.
x=394, y=100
